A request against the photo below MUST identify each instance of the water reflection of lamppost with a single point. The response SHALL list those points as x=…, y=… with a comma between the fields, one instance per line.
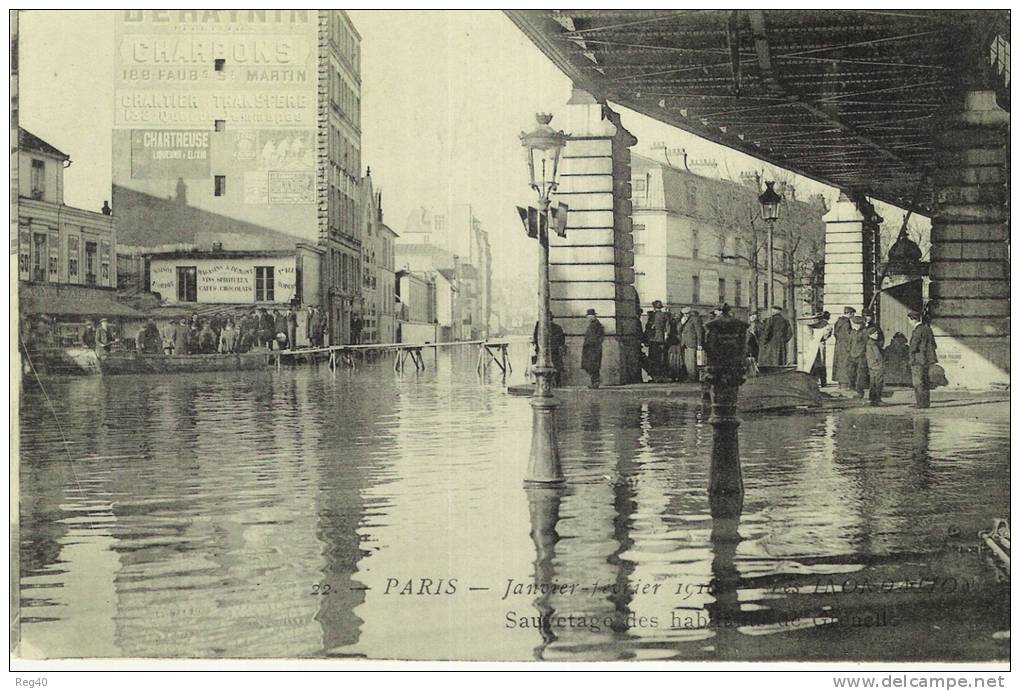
x=544, y=512
x=770, y=202
x=543, y=146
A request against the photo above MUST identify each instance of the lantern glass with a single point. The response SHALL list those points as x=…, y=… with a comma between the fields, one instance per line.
x=770, y=203
x=543, y=147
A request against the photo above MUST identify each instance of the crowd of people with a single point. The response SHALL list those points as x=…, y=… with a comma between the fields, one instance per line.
x=674, y=344
x=257, y=328
x=862, y=361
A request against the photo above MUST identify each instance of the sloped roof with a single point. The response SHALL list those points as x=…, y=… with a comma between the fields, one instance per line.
x=29, y=142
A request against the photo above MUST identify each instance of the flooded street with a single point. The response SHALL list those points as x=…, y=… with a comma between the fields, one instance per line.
x=298, y=514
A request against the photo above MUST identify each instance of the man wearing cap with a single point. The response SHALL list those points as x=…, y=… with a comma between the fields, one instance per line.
x=857, y=362
x=691, y=333
x=871, y=322
x=778, y=333
x=756, y=326
x=841, y=353
x=922, y=356
x=591, y=350
x=104, y=336
x=657, y=329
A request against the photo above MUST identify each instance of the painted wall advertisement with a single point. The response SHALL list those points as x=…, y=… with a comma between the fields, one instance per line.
x=169, y=154
x=283, y=162
x=187, y=68
x=225, y=281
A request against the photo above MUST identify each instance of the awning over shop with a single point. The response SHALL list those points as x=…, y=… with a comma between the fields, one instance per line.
x=58, y=300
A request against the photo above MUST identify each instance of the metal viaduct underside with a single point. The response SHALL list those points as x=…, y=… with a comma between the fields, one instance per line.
x=851, y=98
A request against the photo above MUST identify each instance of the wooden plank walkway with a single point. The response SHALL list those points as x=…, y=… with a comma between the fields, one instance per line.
x=489, y=352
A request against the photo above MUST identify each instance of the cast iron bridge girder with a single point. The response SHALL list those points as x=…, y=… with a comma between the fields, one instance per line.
x=877, y=79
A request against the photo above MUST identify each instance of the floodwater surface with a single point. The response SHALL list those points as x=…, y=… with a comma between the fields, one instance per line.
x=295, y=513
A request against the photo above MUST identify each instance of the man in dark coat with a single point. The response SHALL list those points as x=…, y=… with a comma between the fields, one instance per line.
x=148, y=341
x=292, y=318
x=557, y=348
x=691, y=334
x=88, y=335
x=922, y=356
x=840, y=357
x=871, y=323
x=857, y=356
x=179, y=334
x=657, y=330
x=591, y=351
x=755, y=324
x=266, y=325
x=897, y=361
x=313, y=326
x=207, y=338
x=104, y=336
x=876, y=364
x=778, y=333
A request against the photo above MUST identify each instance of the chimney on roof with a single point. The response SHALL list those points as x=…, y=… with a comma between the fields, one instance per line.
x=704, y=166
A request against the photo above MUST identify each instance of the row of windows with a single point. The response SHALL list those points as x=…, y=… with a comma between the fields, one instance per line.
x=343, y=212
x=265, y=284
x=345, y=41
x=344, y=153
x=345, y=98
x=39, y=259
x=738, y=289
x=348, y=268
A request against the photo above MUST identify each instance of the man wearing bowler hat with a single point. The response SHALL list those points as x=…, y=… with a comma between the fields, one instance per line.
x=591, y=351
x=841, y=331
x=691, y=334
x=658, y=331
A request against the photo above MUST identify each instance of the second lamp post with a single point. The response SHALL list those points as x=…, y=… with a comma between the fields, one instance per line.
x=770, y=202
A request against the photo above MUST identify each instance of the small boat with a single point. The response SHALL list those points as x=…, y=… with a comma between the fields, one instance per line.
x=81, y=360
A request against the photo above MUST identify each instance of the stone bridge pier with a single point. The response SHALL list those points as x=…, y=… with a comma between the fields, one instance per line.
x=970, y=244
x=593, y=267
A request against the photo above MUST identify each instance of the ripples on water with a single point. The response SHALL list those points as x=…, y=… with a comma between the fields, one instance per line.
x=264, y=515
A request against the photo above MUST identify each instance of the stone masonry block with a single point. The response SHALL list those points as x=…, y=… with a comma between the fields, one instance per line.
x=587, y=166
x=588, y=147
x=968, y=269
x=572, y=184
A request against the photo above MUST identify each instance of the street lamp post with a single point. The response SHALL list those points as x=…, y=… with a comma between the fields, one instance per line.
x=543, y=147
x=770, y=202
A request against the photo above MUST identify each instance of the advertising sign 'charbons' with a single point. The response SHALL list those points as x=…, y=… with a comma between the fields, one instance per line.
x=169, y=154
x=184, y=68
